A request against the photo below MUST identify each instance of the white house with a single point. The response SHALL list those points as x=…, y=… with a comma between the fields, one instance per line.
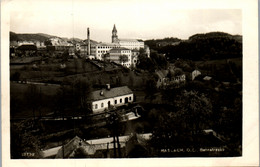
x=162, y=79
x=179, y=78
x=104, y=98
x=195, y=73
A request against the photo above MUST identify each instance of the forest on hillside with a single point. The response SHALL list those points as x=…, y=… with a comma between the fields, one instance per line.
x=209, y=46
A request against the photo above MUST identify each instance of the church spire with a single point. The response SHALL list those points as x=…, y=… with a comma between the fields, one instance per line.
x=114, y=34
x=114, y=29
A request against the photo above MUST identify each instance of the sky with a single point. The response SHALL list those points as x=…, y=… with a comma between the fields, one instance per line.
x=141, y=19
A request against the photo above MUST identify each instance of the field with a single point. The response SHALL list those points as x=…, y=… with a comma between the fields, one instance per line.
x=47, y=77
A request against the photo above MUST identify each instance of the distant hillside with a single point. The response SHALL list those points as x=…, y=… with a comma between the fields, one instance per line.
x=91, y=41
x=157, y=43
x=215, y=35
x=40, y=37
x=29, y=37
x=45, y=35
x=210, y=46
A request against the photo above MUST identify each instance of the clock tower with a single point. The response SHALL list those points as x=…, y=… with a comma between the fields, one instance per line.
x=114, y=35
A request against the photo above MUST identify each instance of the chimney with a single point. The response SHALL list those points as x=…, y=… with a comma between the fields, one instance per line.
x=101, y=93
x=88, y=43
x=108, y=86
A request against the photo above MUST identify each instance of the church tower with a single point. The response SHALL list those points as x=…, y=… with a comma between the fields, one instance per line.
x=114, y=35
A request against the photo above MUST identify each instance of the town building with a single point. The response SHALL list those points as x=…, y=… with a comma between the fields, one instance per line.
x=26, y=50
x=134, y=59
x=99, y=50
x=74, y=148
x=105, y=98
x=94, y=148
x=179, y=78
x=55, y=41
x=127, y=43
x=118, y=47
x=121, y=56
x=162, y=78
x=147, y=50
x=195, y=73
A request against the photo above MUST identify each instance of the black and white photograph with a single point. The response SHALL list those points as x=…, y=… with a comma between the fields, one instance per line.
x=126, y=80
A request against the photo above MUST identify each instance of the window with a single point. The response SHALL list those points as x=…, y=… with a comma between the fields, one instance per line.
x=96, y=106
x=115, y=101
x=130, y=98
x=102, y=104
x=120, y=100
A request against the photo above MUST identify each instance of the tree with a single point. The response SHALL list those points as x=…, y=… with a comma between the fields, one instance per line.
x=131, y=80
x=123, y=59
x=82, y=90
x=34, y=97
x=65, y=56
x=76, y=65
x=15, y=76
x=63, y=98
x=150, y=89
x=105, y=57
x=113, y=123
x=145, y=63
x=47, y=43
x=141, y=51
x=159, y=60
x=23, y=140
x=189, y=116
x=195, y=109
x=80, y=152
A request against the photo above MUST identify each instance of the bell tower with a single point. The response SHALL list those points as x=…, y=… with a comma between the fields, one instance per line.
x=114, y=34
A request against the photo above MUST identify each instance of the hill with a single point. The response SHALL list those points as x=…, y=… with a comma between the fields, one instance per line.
x=209, y=46
x=214, y=35
x=41, y=37
x=29, y=37
x=155, y=43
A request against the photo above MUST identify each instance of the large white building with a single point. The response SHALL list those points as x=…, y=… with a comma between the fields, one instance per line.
x=105, y=98
x=119, y=47
x=101, y=49
x=131, y=43
x=126, y=43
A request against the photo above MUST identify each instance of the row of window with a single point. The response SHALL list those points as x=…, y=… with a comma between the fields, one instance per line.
x=102, y=51
x=115, y=102
x=126, y=51
x=107, y=47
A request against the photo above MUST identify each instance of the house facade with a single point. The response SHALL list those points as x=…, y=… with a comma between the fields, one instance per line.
x=127, y=43
x=105, y=98
x=100, y=49
x=116, y=53
x=162, y=79
x=179, y=78
x=195, y=73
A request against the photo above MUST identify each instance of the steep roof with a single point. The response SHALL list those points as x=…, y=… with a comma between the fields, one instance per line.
x=27, y=47
x=116, y=50
x=105, y=44
x=113, y=92
x=161, y=73
x=114, y=28
x=70, y=147
x=130, y=40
